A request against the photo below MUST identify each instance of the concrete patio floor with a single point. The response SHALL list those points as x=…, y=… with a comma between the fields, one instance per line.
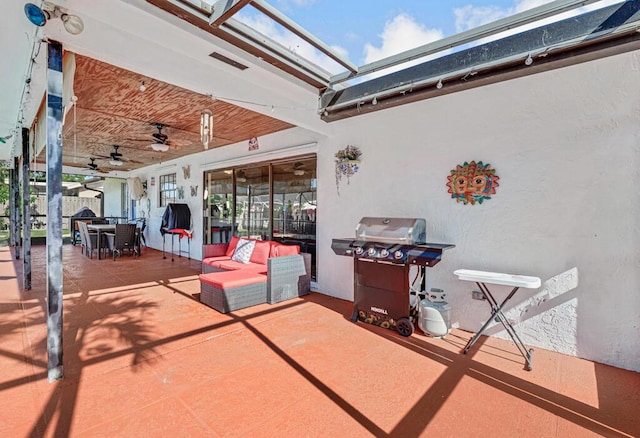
x=143, y=357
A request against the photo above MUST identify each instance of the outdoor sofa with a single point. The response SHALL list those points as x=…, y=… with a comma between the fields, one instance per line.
x=246, y=272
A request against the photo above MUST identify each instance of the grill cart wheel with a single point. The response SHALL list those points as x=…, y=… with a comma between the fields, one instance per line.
x=405, y=327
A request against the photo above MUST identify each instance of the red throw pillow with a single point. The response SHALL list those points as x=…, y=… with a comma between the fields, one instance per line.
x=232, y=245
x=286, y=250
x=261, y=252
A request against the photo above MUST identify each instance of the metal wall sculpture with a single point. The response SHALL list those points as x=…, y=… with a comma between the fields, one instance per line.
x=472, y=182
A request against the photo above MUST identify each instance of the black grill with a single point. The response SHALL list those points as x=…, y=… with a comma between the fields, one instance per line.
x=384, y=251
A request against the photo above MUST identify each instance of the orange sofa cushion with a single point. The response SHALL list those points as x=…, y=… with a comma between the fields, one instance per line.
x=231, y=279
x=232, y=245
x=232, y=265
x=214, y=261
x=261, y=252
x=286, y=250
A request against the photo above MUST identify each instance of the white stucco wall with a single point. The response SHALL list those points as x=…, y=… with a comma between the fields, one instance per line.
x=565, y=145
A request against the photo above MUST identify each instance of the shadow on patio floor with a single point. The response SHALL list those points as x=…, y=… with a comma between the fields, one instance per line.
x=143, y=356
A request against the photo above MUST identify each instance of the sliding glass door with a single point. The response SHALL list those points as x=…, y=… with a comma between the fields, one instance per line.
x=253, y=202
x=294, y=205
x=268, y=201
x=218, y=206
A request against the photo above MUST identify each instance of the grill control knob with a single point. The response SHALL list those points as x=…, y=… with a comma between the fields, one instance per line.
x=371, y=252
x=398, y=255
x=384, y=253
x=359, y=250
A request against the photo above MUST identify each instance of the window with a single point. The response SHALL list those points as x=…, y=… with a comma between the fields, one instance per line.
x=167, y=189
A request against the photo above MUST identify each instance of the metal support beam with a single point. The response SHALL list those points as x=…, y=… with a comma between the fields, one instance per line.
x=54, y=210
x=225, y=9
x=26, y=211
x=14, y=208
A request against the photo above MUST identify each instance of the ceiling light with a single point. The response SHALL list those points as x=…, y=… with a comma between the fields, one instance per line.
x=143, y=87
x=298, y=169
x=116, y=163
x=241, y=176
x=206, y=127
x=38, y=16
x=160, y=147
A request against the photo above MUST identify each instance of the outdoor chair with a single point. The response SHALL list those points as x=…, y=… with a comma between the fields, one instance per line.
x=123, y=238
x=89, y=240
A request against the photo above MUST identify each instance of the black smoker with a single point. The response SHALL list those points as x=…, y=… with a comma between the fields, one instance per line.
x=384, y=251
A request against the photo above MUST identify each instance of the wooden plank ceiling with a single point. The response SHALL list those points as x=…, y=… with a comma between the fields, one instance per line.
x=111, y=110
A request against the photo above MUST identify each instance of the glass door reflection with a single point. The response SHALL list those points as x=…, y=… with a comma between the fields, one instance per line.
x=252, y=203
x=218, y=206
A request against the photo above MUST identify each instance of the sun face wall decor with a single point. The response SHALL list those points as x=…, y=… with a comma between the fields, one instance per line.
x=472, y=182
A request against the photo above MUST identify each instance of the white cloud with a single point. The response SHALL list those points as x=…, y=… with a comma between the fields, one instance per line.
x=470, y=17
x=400, y=34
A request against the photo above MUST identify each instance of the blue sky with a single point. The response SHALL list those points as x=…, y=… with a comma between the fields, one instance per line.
x=366, y=31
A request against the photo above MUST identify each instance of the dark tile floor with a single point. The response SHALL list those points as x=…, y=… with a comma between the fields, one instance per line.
x=142, y=357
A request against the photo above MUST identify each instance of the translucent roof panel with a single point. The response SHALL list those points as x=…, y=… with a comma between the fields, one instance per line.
x=331, y=38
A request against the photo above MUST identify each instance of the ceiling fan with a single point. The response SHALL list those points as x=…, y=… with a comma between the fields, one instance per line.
x=93, y=166
x=298, y=169
x=161, y=140
x=116, y=157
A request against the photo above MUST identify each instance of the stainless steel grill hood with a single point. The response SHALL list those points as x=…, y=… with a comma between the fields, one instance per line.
x=410, y=231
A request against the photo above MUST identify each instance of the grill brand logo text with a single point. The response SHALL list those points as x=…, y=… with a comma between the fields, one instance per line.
x=379, y=310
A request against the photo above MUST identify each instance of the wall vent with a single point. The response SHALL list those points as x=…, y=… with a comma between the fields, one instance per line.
x=231, y=62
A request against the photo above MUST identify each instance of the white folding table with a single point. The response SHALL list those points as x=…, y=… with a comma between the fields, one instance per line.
x=482, y=278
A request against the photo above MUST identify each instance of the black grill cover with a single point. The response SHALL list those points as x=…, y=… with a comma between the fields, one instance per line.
x=84, y=212
x=175, y=216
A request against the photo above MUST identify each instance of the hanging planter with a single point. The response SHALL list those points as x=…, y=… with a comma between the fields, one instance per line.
x=347, y=164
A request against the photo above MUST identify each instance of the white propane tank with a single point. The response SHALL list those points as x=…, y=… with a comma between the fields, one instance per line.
x=435, y=314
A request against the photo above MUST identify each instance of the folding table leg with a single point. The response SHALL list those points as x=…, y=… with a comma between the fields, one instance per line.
x=496, y=313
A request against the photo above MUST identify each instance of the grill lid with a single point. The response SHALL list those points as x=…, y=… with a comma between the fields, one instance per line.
x=393, y=230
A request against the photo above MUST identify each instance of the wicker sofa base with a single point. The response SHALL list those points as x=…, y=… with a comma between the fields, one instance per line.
x=228, y=300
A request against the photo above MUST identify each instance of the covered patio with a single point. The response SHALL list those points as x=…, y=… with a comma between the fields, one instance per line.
x=144, y=357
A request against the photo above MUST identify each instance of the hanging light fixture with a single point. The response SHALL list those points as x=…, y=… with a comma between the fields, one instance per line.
x=206, y=127
x=160, y=147
x=39, y=16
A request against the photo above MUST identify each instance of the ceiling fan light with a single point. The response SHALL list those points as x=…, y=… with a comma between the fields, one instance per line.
x=116, y=163
x=160, y=147
x=298, y=172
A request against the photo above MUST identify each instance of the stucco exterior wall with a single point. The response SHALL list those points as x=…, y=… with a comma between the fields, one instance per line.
x=565, y=145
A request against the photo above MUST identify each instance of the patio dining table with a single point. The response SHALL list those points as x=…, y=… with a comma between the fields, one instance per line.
x=101, y=228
